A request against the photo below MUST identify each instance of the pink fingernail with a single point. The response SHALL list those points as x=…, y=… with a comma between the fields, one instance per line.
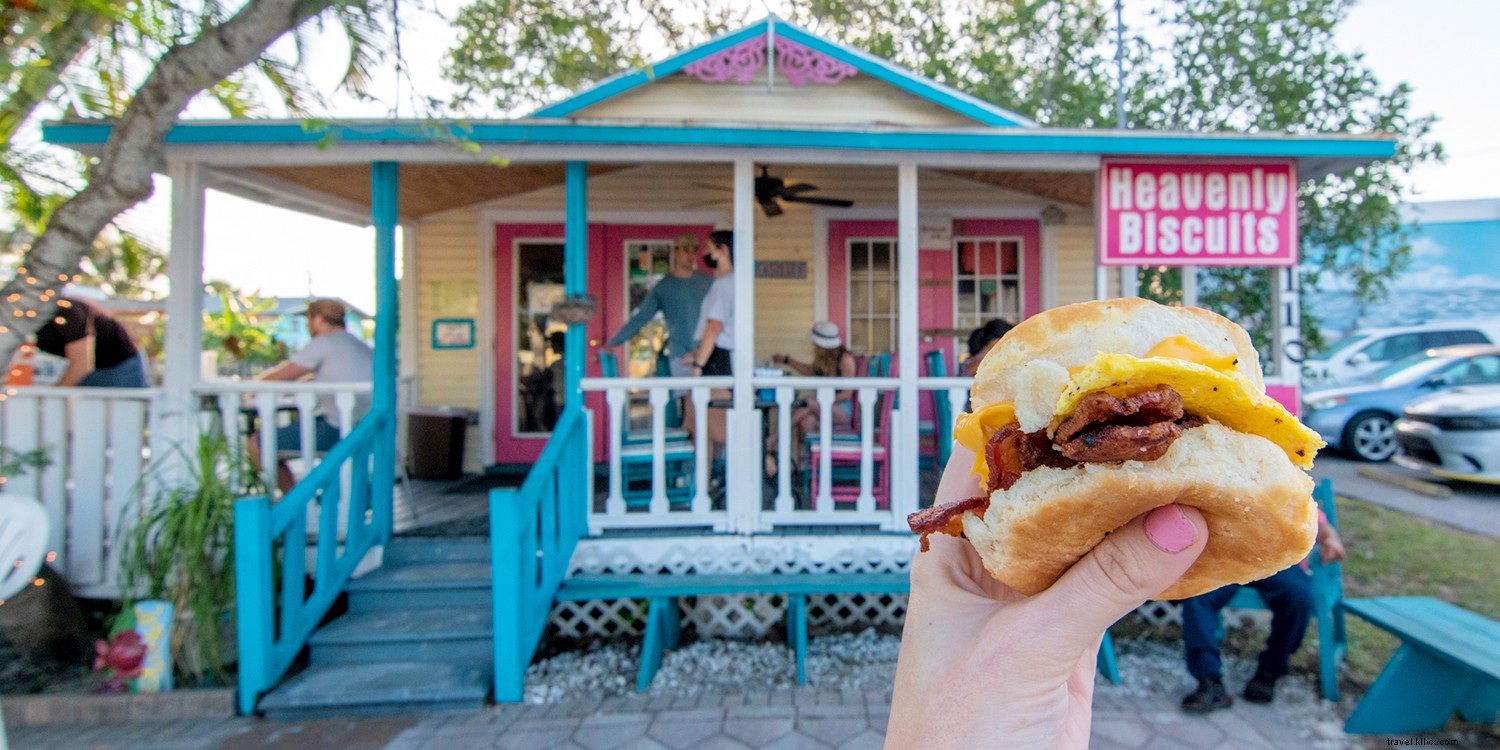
x=1169, y=529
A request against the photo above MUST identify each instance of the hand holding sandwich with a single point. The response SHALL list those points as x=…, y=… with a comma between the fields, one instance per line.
x=983, y=666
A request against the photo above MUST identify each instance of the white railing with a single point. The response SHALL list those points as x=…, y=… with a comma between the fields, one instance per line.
x=241, y=403
x=683, y=496
x=95, y=440
x=877, y=444
x=98, y=443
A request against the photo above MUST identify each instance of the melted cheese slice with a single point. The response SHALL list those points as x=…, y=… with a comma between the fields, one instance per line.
x=973, y=430
x=1225, y=396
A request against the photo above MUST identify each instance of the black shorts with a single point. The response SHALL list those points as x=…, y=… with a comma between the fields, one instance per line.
x=718, y=363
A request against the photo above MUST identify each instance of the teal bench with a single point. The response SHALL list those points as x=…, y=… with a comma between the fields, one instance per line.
x=1449, y=660
x=664, y=619
x=1328, y=592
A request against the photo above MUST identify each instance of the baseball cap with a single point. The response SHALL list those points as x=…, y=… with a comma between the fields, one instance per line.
x=330, y=310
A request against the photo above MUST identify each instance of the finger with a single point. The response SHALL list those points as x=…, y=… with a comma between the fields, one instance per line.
x=959, y=481
x=1135, y=563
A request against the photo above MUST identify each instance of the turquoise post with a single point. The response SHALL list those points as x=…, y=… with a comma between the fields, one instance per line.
x=252, y=583
x=575, y=265
x=384, y=185
x=506, y=600
x=572, y=505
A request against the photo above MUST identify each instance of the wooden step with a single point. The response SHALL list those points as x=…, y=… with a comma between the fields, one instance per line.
x=378, y=688
x=459, y=634
x=435, y=586
x=413, y=550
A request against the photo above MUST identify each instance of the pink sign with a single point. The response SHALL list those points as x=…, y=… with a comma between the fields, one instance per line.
x=1189, y=213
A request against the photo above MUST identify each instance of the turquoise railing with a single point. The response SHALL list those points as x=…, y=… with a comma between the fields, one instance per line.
x=533, y=531
x=270, y=636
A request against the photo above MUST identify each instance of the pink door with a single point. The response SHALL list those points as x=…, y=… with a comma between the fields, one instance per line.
x=529, y=279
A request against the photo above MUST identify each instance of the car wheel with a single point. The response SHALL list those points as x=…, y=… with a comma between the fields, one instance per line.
x=1371, y=437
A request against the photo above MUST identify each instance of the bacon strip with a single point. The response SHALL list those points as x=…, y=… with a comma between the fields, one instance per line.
x=945, y=519
x=1160, y=404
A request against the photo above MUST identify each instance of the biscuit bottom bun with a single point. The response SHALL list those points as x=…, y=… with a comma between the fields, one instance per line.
x=1259, y=509
x=1091, y=414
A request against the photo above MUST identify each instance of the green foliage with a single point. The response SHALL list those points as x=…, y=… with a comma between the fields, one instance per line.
x=1203, y=66
x=181, y=546
x=14, y=462
x=238, y=331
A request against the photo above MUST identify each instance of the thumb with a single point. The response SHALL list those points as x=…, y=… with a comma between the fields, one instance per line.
x=1135, y=563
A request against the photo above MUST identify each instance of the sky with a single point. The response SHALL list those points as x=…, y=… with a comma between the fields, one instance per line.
x=1445, y=51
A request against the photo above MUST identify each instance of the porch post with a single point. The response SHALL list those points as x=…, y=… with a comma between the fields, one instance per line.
x=175, y=425
x=743, y=478
x=906, y=429
x=575, y=267
x=384, y=210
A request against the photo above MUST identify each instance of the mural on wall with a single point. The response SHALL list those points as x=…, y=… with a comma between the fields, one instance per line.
x=1454, y=274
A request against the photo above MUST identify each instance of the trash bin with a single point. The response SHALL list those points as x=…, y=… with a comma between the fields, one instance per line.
x=435, y=443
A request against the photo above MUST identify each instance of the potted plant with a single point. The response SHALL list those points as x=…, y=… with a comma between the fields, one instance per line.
x=181, y=550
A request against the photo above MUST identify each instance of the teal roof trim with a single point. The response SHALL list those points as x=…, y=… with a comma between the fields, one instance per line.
x=1108, y=143
x=619, y=84
x=878, y=68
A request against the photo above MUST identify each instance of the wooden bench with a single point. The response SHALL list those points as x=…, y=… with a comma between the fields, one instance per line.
x=663, y=618
x=1328, y=591
x=1449, y=660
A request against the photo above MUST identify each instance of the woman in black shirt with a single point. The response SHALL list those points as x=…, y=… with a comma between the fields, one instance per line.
x=99, y=351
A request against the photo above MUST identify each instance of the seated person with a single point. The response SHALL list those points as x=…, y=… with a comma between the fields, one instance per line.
x=981, y=339
x=830, y=359
x=1290, y=597
x=334, y=355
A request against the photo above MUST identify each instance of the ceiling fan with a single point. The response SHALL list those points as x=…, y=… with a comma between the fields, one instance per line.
x=769, y=190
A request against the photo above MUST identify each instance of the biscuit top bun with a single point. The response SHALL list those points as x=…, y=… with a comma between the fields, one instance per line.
x=1029, y=366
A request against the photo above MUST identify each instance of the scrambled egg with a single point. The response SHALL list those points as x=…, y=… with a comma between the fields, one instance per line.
x=1225, y=396
x=1210, y=385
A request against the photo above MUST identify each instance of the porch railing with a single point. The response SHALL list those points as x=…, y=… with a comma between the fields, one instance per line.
x=243, y=403
x=533, y=531
x=95, y=440
x=658, y=478
x=276, y=617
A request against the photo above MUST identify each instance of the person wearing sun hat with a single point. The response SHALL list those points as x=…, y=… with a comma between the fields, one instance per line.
x=831, y=359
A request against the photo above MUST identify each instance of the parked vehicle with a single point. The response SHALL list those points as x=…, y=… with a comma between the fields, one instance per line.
x=1359, y=419
x=1369, y=349
x=1454, y=434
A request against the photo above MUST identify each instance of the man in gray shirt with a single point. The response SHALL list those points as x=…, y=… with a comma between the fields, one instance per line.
x=678, y=296
x=334, y=355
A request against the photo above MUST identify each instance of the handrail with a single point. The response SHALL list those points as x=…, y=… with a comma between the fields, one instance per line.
x=272, y=386
x=268, y=644
x=53, y=391
x=533, y=531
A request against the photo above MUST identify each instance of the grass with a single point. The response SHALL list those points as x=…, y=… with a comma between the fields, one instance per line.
x=1391, y=553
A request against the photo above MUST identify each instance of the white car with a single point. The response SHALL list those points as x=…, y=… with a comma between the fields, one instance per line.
x=1454, y=434
x=1370, y=349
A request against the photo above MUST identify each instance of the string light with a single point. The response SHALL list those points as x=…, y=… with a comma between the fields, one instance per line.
x=51, y=557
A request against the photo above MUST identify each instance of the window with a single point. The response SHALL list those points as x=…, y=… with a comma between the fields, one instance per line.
x=646, y=262
x=872, y=295
x=1392, y=348
x=1480, y=370
x=1455, y=338
x=986, y=281
x=539, y=357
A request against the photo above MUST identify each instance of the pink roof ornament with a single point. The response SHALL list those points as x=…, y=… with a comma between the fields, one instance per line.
x=799, y=64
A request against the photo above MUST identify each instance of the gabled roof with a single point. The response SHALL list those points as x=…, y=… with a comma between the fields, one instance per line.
x=875, y=67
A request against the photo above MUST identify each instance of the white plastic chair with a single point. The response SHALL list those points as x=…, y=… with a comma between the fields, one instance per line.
x=23, y=548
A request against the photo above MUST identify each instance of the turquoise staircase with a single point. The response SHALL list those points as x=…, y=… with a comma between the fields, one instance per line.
x=418, y=637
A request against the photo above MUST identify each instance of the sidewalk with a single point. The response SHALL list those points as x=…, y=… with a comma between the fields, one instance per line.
x=801, y=718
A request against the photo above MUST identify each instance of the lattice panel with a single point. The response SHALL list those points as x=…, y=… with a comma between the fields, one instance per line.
x=735, y=616
x=620, y=617
x=846, y=611
x=1160, y=613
